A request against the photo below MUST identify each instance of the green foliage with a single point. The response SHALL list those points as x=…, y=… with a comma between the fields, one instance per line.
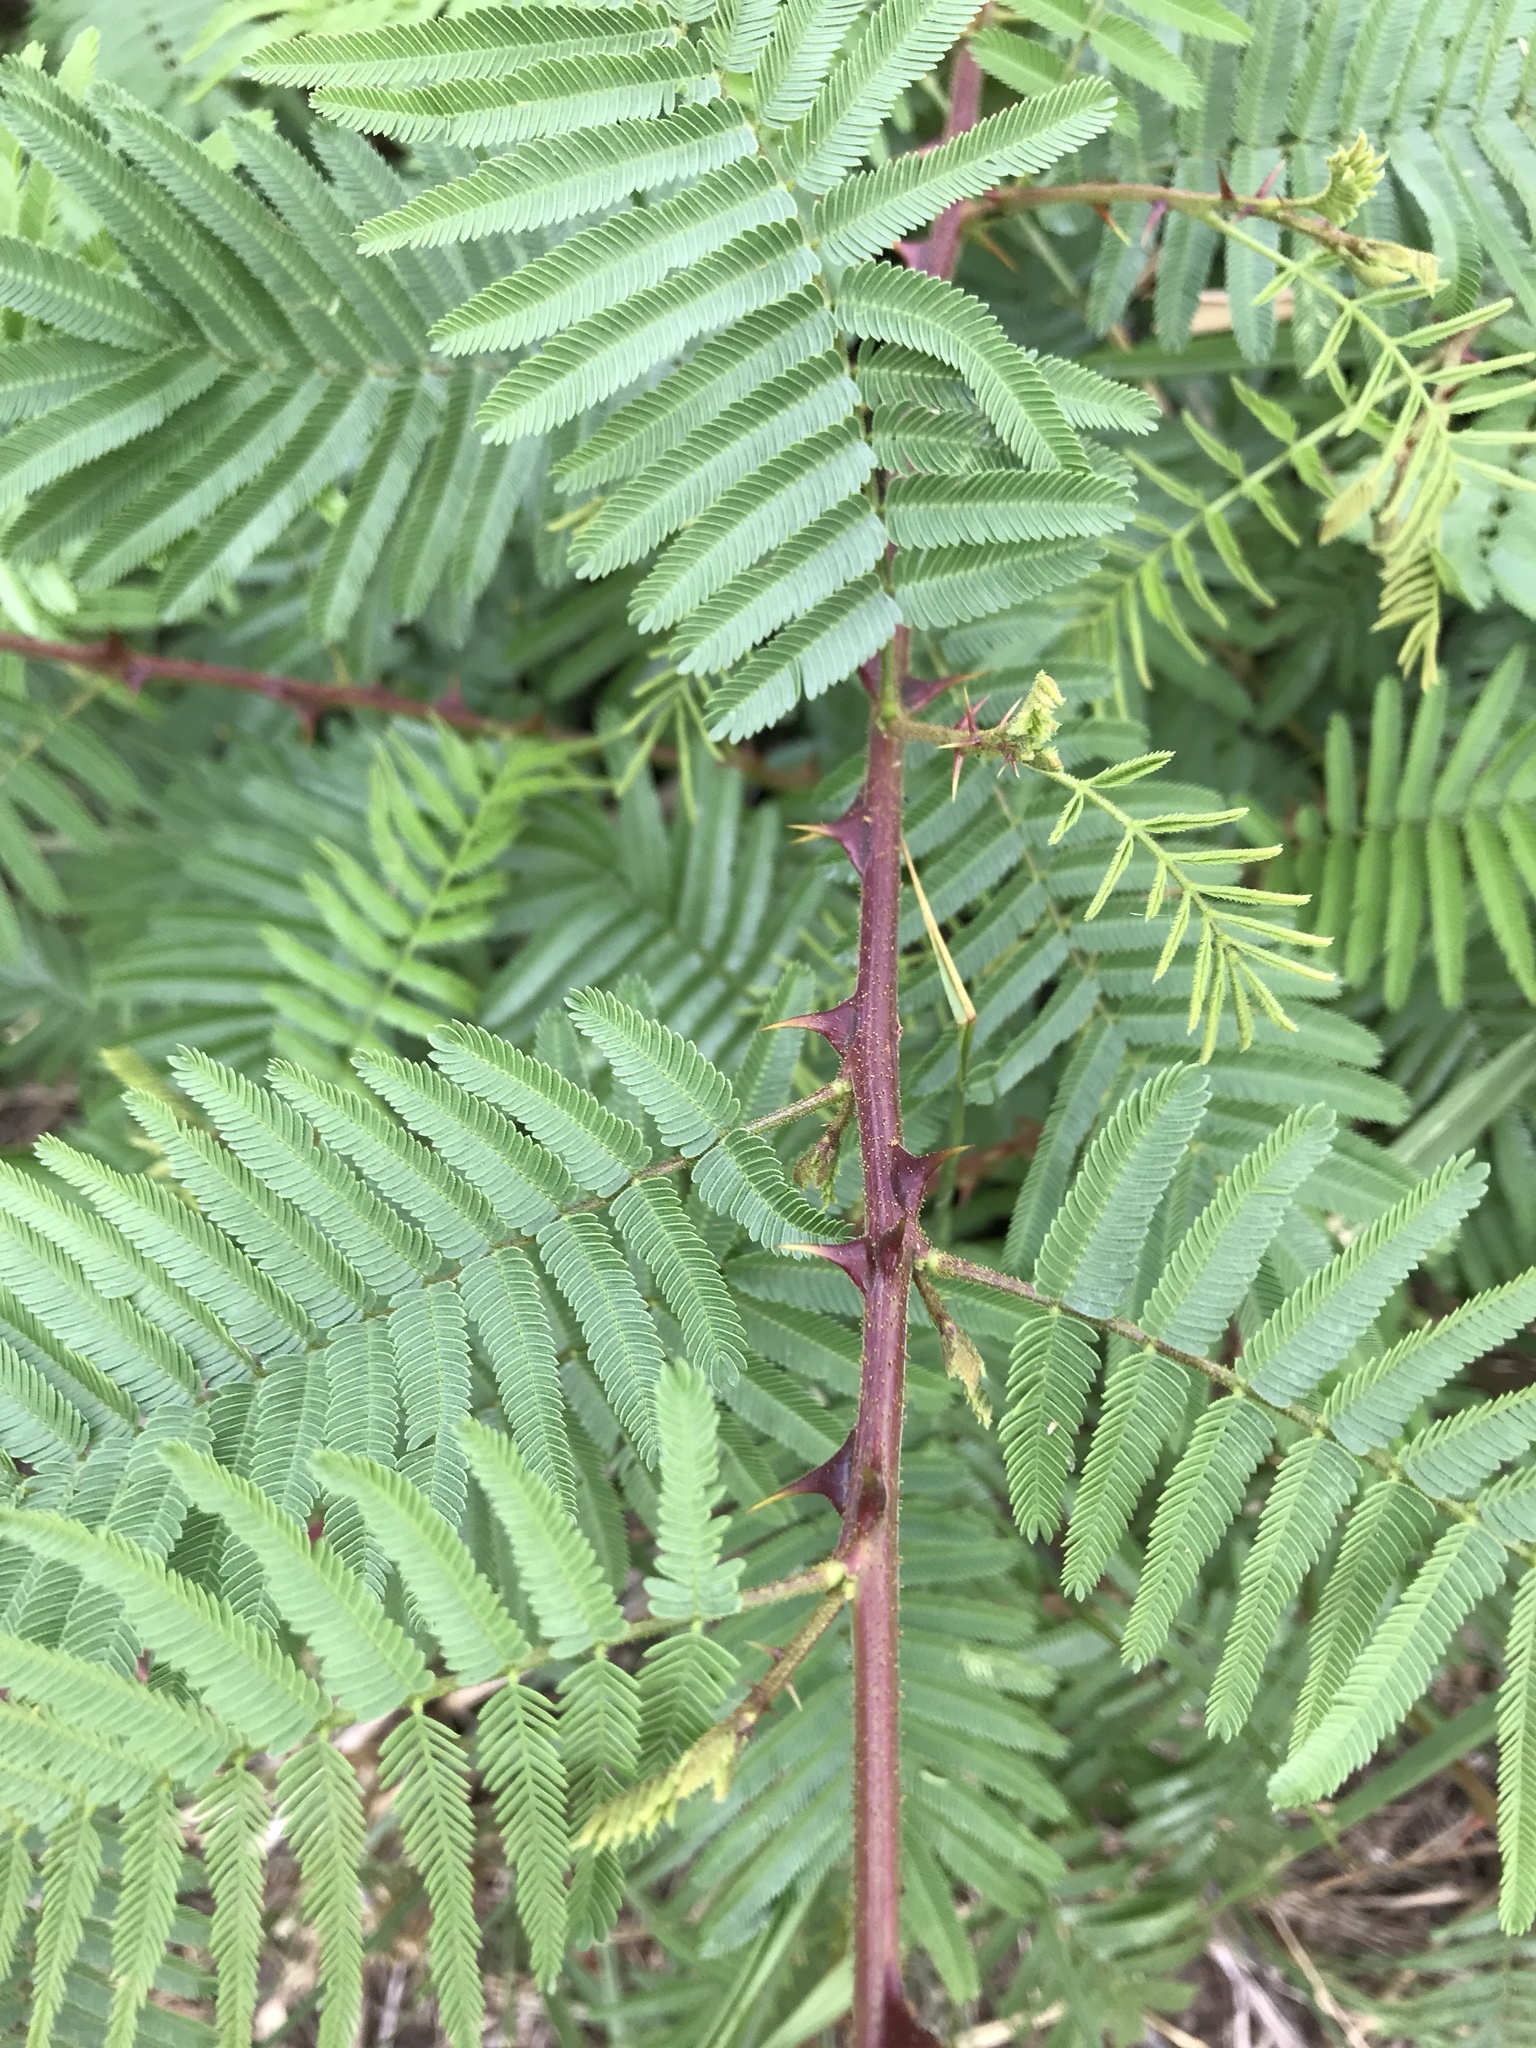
x=591, y=414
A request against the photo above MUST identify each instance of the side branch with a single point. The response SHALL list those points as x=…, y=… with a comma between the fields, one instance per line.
x=134, y=668
x=949, y=1267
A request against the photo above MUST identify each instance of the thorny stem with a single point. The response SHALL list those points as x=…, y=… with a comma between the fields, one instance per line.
x=893, y=1194
x=869, y=1536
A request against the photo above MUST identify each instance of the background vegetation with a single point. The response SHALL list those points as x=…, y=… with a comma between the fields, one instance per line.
x=351, y=742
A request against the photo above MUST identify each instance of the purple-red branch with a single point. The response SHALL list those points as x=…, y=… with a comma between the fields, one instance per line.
x=867, y=1033
x=130, y=665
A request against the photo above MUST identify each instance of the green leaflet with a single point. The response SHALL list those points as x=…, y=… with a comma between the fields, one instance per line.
x=886, y=304
x=600, y=1738
x=183, y=1740
x=448, y=1594
x=520, y=1180
x=71, y=1863
x=498, y=40
x=1213, y=1264
x=653, y=1222
x=560, y=179
x=828, y=643
x=888, y=51
x=37, y=1423
x=15, y=1888
x=1395, y=1666
x=146, y=1907
x=423, y=1760
x=547, y=98
x=276, y=1145
x=432, y=1373
x=784, y=496
x=1316, y=1326
x=368, y=1662
x=47, y=284
x=684, y=1680
x=1315, y=1484
x=451, y=1210
x=1201, y=1498
x=233, y=1817
x=519, y=1758
x=501, y=1293
x=604, y=266
x=241, y=1674
x=1456, y=1454
x=947, y=586
x=1051, y=1370
x=1373, y=1403
x=555, y=1561
x=685, y=480
x=599, y=1150
x=792, y=582
x=741, y=1177
x=1089, y=1254
x=322, y=1813
x=689, y=1100
x=724, y=369
x=1083, y=1085
x=866, y=212
x=584, y=1263
x=690, y=1582
x=1002, y=505
x=1517, y=1766
x=1381, y=1535
x=797, y=56
x=257, y=1312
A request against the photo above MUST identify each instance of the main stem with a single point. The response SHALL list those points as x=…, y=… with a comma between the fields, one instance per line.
x=893, y=1195
x=869, y=1538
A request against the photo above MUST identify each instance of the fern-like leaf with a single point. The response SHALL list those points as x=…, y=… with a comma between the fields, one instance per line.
x=1049, y=1375
x=424, y=1761
x=1203, y=1495
x=322, y=1814
x=1314, y=1486
x=559, y=1571
x=243, y=1677
x=653, y=1222
x=1395, y=1667
x=1090, y=1251
x=449, y=1595
x=368, y=1662
x=152, y=1850
x=690, y=1101
x=233, y=1817
x=520, y=1760
x=71, y=1863
x=690, y=1584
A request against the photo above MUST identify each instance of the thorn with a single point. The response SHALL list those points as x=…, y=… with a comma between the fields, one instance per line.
x=921, y=695
x=851, y=831
x=1223, y=186
x=836, y=1026
x=830, y=1480
x=853, y=1258
x=916, y=1173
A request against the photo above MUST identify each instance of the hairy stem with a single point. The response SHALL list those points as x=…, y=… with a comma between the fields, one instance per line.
x=869, y=1538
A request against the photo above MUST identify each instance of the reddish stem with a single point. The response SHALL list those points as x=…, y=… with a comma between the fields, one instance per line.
x=893, y=1194
x=114, y=657
x=941, y=252
x=869, y=1538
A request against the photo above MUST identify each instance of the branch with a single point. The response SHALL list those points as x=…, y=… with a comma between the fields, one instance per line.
x=949, y=1267
x=134, y=668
